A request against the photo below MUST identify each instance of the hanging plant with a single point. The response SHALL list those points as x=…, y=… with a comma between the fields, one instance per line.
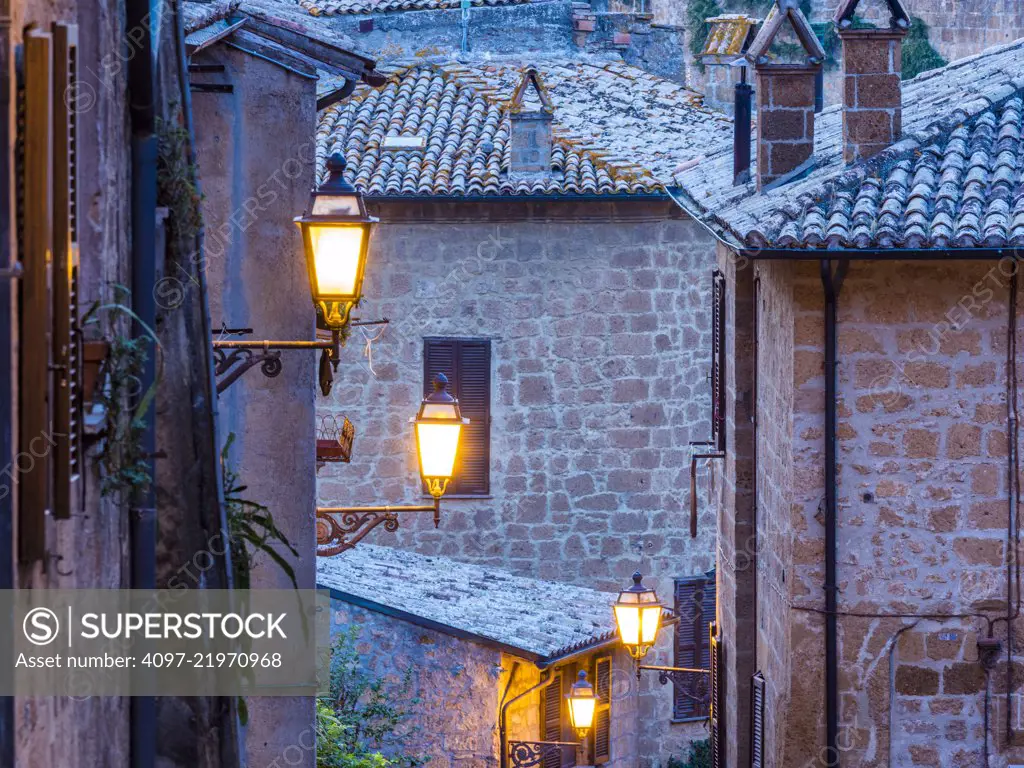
x=125, y=466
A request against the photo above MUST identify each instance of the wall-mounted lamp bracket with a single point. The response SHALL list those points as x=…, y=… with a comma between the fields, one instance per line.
x=12, y=272
x=528, y=754
x=693, y=683
x=340, y=528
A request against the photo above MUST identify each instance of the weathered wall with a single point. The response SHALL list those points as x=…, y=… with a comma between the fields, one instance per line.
x=923, y=511
x=62, y=731
x=257, y=171
x=599, y=321
x=452, y=689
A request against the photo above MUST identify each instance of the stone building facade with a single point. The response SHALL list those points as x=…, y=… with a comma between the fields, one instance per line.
x=474, y=657
x=925, y=497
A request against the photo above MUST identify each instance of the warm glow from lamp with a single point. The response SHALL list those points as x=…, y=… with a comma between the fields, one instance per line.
x=337, y=253
x=439, y=426
x=582, y=704
x=638, y=617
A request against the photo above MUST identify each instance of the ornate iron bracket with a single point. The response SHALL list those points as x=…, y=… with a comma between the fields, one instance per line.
x=230, y=366
x=694, y=684
x=340, y=528
x=526, y=754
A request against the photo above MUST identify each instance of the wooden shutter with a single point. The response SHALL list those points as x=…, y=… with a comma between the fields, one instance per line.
x=551, y=721
x=603, y=712
x=718, y=360
x=467, y=364
x=695, y=605
x=67, y=344
x=717, y=700
x=31, y=471
x=757, y=721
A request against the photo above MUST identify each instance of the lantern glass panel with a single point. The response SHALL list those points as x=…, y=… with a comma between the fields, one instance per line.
x=336, y=255
x=336, y=205
x=581, y=711
x=438, y=445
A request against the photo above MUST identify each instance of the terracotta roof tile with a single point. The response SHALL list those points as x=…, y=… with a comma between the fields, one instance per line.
x=340, y=7
x=617, y=130
x=955, y=180
x=541, y=618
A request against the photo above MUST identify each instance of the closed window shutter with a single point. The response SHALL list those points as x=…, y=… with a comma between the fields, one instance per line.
x=467, y=364
x=551, y=722
x=695, y=605
x=67, y=344
x=36, y=249
x=717, y=700
x=757, y=691
x=603, y=710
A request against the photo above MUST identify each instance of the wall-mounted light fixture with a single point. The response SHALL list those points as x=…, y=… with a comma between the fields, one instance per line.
x=582, y=705
x=336, y=237
x=438, y=428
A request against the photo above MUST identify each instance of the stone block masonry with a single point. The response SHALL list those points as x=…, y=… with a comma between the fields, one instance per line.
x=599, y=320
x=923, y=512
x=872, y=97
x=785, y=120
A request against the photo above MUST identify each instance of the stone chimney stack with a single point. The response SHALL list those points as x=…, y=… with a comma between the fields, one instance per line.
x=785, y=96
x=872, y=92
x=530, y=115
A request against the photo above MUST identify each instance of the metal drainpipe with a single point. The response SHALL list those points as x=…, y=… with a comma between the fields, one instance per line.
x=142, y=518
x=832, y=285
x=545, y=676
x=7, y=405
x=741, y=129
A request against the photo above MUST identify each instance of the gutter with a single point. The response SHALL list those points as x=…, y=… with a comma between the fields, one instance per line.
x=874, y=254
x=506, y=199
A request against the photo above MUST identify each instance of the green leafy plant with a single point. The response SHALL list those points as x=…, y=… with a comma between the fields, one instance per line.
x=175, y=179
x=361, y=704
x=125, y=466
x=918, y=54
x=697, y=14
x=331, y=738
x=700, y=756
x=251, y=527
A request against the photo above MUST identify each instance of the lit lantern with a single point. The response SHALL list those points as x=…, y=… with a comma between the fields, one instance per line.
x=582, y=703
x=638, y=617
x=336, y=235
x=438, y=428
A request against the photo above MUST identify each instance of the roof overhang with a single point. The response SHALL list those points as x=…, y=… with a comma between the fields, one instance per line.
x=877, y=254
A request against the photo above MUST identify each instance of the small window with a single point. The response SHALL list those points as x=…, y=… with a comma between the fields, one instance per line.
x=695, y=605
x=467, y=364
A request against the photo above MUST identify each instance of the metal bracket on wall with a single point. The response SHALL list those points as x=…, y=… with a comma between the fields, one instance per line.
x=527, y=754
x=12, y=272
x=340, y=528
x=694, y=684
x=229, y=366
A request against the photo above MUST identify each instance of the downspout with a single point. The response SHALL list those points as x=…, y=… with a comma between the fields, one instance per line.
x=545, y=676
x=7, y=330
x=142, y=517
x=832, y=284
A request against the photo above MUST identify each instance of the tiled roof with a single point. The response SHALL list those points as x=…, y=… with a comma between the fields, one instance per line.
x=617, y=129
x=541, y=619
x=196, y=16
x=953, y=181
x=727, y=37
x=338, y=7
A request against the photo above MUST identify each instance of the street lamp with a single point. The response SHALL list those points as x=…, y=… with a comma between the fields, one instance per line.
x=438, y=426
x=336, y=235
x=582, y=704
x=638, y=617
x=335, y=238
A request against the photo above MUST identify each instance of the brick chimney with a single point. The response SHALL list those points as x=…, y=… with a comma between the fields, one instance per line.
x=785, y=96
x=872, y=92
x=530, y=116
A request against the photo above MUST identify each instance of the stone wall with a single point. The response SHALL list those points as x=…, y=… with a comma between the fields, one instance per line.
x=451, y=690
x=923, y=512
x=598, y=315
x=257, y=172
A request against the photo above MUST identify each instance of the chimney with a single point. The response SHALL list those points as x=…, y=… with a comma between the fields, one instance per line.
x=785, y=96
x=530, y=129
x=872, y=92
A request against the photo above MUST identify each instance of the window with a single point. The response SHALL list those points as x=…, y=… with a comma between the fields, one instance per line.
x=601, y=742
x=467, y=364
x=695, y=605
